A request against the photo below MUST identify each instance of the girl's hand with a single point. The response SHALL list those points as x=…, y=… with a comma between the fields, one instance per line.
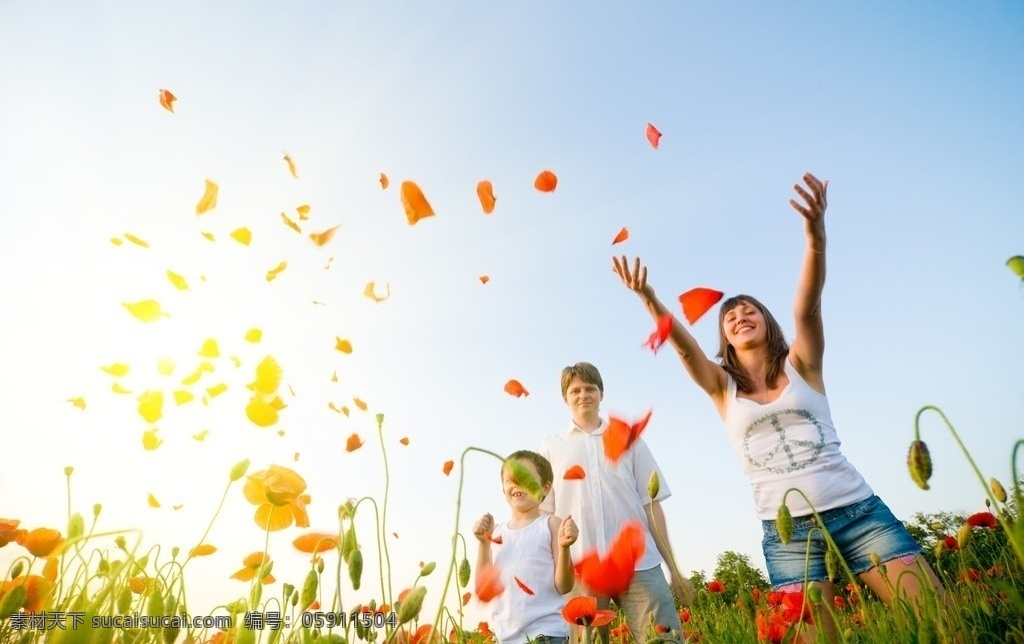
x=483, y=528
x=635, y=279
x=815, y=203
x=568, y=532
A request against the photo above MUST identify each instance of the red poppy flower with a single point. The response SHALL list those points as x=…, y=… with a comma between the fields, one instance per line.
x=795, y=608
x=839, y=602
x=661, y=333
x=488, y=583
x=582, y=611
x=610, y=576
x=756, y=594
x=573, y=473
x=9, y=531
x=775, y=597
x=484, y=628
x=772, y=628
x=684, y=615
x=971, y=575
x=620, y=436
x=715, y=586
x=982, y=520
x=951, y=543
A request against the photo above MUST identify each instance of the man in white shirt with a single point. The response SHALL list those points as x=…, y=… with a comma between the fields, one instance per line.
x=607, y=497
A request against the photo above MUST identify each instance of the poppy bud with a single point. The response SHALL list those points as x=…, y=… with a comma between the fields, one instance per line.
x=16, y=570
x=355, y=568
x=814, y=593
x=348, y=543
x=124, y=601
x=174, y=552
x=155, y=605
x=410, y=608
x=287, y=589
x=96, y=509
x=265, y=569
x=346, y=510
x=919, y=462
x=784, y=523
x=120, y=543
x=831, y=563
x=13, y=600
x=380, y=420
x=236, y=607
x=524, y=478
x=653, y=485
x=939, y=526
x=940, y=549
x=309, y=590
x=998, y=490
x=464, y=572
x=68, y=471
x=875, y=561
x=963, y=537
x=76, y=526
x=427, y=569
x=256, y=594
x=239, y=470
x=848, y=635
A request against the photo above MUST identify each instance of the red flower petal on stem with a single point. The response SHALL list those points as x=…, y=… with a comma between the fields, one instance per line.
x=983, y=520
x=715, y=586
x=582, y=611
x=698, y=301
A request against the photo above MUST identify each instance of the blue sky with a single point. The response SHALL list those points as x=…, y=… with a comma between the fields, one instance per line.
x=911, y=110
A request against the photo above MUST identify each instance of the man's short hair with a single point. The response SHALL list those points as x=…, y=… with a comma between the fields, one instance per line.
x=586, y=372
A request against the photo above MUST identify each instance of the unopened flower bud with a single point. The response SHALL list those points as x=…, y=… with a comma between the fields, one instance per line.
x=380, y=420
x=963, y=537
x=998, y=490
x=309, y=590
x=875, y=561
x=13, y=600
x=16, y=570
x=939, y=526
x=653, y=485
x=68, y=471
x=784, y=523
x=427, y=569
x=410, y=608
x=939, y=549
x=814, y=593
x=120, y=543
x=919, y=462
x=174, y=552
x=831, y=563
x=96, y=509
x=239, y=470
x=348, y=543
x=355, y=568
x=76, y=526
x=464, y=572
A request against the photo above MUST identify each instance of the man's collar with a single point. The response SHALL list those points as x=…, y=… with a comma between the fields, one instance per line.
x=573, y=427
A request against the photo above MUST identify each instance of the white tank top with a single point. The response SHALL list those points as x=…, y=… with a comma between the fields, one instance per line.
x=791, y=442
x=525, y=553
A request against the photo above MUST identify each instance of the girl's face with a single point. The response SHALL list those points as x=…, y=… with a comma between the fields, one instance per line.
x=519, y=499
x=744, y=326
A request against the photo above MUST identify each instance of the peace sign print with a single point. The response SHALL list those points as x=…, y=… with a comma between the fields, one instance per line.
x=794, y=446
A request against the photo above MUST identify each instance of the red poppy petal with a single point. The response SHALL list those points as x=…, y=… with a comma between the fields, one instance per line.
x=698, y=301
x=574, y=473
x=653, y=135
x=526, y=589
x=621, y=237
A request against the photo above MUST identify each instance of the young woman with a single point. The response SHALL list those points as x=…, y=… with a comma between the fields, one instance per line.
x=771, y=397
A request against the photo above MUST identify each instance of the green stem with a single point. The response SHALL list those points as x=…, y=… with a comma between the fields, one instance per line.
x=384, y=512
x=668, y=549
x=209, y=526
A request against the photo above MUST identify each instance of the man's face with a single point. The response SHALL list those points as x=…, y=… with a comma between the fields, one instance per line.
x=582, y=397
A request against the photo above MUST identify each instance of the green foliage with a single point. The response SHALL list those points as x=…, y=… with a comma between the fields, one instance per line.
x=735, y=571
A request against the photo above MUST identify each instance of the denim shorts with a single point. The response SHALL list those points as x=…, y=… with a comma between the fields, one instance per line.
x=859, y=530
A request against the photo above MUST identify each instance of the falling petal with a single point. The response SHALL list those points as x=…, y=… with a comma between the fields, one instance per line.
x=118, y=389
x=303, y=211
x=342, y=345
x=515, y=388
x=261, y=413
x=153, y=503
x=447, y=467
x=268, y=376
x=116, y=241
x=242, y=235
x=415, y=204
x=291, y=166
x=488, y=583
x=1016, y=264
x=136, y=240
x=203, y=550
x=117, y=369
x=546, y=181
x=296, y=457
x=344, y=410
x=177, y=507
x=177, y=280
x=253, y=335
x=353, y=443
x=660, y=334
x=485, y=191
x=484, y=279
x=209, y=199
x=206, y=367
x=145, y=310
x=192, y=379
x=167, y=100
x=318, y=303
x=620, y=435
x=182, y=396
x=328, y=264
x=404, y=440
x=150, y=441
x=238, y=363
x=165, y=366
x=274, y=272
x=291, y=224
x=322, y=238
x=77, y=402
x=334, y=377
x=369, y=291
x=359, y=403
x=216, y=390
x=201, y=436
x=207, y=235
x=290, y=390
x=621, y=237
x=384, y=181
x=574, y=473
x=697, y=301
x=653, y=135
x=210, y=349
x=151, y=405
x=526, y=589
x=334, y=407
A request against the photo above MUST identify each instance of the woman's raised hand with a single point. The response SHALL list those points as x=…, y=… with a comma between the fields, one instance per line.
x=814, y=198
x=635, y=279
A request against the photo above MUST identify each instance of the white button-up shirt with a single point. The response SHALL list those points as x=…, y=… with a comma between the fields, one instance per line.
x=610, y=494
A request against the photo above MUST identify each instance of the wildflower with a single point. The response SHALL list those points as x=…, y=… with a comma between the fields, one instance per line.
x=278, y=493
x=972, y=574
x=839, y=602
x=41, y=541
x=620, y=632
x=314, y=542
x=9, y=531
x=610, y=576
x=485, y=629
x=995, y=571
x=488, y=583
x=771, y=628
x=795, y=608
x=36, y=591
x=982, y=520
x=582, y=611
x=715, y=586
x=775, y=597
x=253, y=564
x=919, y=462
x=950, y=543
x=998, y=491
x=684, y=615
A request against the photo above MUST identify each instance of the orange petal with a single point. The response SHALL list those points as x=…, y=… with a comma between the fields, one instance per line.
x=384, y=181
x=653, y=135
x=485, y=191
x=291, y=224
x=526, y=589
x=573, y=473
x=546, y=181
x=488, y=583
x=209, y=198
x=153, y=503
x=167, y=100
x=621, y=237
x=314, y=542
x=322, y=238
x=404, y=440
x=447, y=468
x=484, y=279
x=353, y=443
x=303, y=211
x=515, y=388
x=697, y=301
x=274, y=272
x=342, y=345
x=291, y=166
x=465, y=598
x=202, y=550
x=415, y=204
x=359, y=403
x=370, y=289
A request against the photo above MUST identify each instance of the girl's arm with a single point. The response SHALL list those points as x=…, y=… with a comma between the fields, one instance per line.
x=563, y=534
x=709, y=376
x=808, y=346
x=482, y=530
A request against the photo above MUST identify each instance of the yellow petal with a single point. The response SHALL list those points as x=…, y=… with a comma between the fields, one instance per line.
x=291, y=166
x=260, y=413
x=181, y=397
x=277, y=403
x=280, y=433
x=322, y=238
x=268, y=376
x=344, y=410
x=178, y=507
x=334, y=378
x=135, y=240
x=328, y=264
x=253, y=335
x=238, y=363
x=194, y=378
x=209, y=200
x=291, y=224
x=118, y=389
x=153, y=503
x=202, y=550
x=117, y=369
x=150, y=441
x=151, y=405
x=177, y=280
x=208, y=235
x=303, y=211
x=145, y=310
x=359, y=403
x=273, y=518
x=209, y=349
x=342, y=345
x=242, y=235
x=77, y=402
x=216, y=390
x=272, y=273
x=206, y=366
x=201, y=436
x=116, y=241
x=165, y=366
x=370, y=289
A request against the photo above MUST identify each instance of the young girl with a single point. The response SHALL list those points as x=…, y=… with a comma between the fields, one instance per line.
x=531, y=553
x=771, y=397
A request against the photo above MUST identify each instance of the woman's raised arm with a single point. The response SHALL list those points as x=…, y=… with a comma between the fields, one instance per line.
x=809, y=344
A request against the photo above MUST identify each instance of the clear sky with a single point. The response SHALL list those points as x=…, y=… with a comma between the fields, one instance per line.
x=912, y=111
